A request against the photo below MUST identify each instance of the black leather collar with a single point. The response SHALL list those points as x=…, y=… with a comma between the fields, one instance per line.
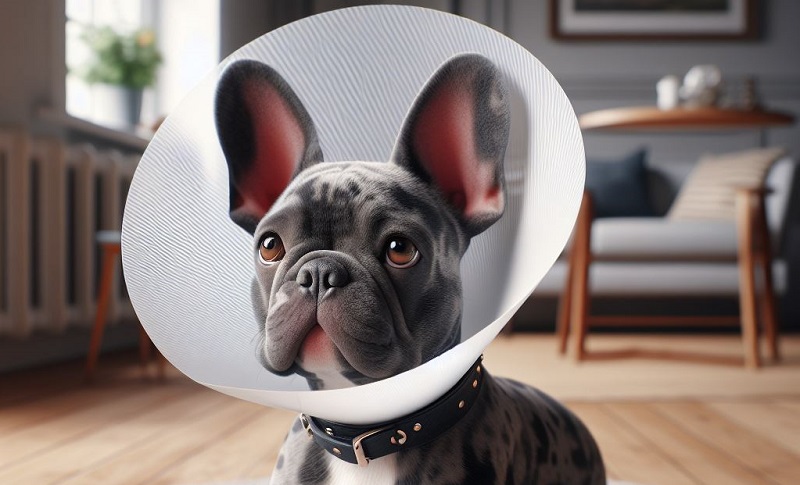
x=360, y=444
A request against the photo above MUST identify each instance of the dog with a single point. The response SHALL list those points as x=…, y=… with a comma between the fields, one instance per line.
x=358, y=279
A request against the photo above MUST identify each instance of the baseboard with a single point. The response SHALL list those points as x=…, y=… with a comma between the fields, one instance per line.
x=48, y=348
x=539, y=313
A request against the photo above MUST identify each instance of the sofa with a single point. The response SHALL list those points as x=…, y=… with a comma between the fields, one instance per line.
x=709, y=284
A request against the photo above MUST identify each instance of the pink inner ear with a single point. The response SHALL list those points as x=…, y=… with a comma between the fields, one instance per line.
x=444, y=139
x=279, y=145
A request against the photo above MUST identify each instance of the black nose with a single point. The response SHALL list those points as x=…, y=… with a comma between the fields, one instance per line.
x=321, y=274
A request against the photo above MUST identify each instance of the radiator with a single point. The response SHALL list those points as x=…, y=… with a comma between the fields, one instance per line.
x=54, y=197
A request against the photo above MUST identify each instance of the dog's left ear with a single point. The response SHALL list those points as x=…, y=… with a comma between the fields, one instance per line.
x=455, y=138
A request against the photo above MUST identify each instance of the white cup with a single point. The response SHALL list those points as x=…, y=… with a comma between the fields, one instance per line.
x=667, y=91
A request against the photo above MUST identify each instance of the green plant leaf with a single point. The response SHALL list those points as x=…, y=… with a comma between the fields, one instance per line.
x=123, y=59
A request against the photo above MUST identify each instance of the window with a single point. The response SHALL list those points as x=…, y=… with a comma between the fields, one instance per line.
x=186, y=33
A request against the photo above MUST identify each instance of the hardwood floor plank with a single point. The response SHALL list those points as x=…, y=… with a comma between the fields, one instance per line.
x=173, y=444
x=47, y=382
x=264, y=463
x=30, y=441
x=627, y=452
x=705, y=463
x=262, y=467
x=778, y=420
x=24, y=414
x=36, y=383
x=235, y=455
x=786, y=474
x=27, y=414
x=792, y=404
x=108, y=430
x=656, y=422
x=11, y=394
x=746, y=446
x=533, y=359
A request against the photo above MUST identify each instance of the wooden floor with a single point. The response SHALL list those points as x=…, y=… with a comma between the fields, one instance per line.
x=656, y=422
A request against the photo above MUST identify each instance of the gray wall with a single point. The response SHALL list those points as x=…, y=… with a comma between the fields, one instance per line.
x=245, y=20
x=605, y=74
x=608, y=74
x=32, y=58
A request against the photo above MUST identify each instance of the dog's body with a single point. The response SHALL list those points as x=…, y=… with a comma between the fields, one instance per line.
x=513, y=435
x=357, y=271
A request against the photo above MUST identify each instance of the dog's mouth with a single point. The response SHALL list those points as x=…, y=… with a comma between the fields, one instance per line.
x=316, y=348
x=327, y=353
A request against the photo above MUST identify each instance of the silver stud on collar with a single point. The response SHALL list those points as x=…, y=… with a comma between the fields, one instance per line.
x=417, y=427
x=337, y=451
x=461, y=404
x=328, y=431
x=399, y=437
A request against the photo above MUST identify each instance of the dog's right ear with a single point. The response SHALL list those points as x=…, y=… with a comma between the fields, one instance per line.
x=267, y=137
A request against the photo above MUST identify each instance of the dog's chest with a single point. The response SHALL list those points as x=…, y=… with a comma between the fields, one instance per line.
x=382, y=471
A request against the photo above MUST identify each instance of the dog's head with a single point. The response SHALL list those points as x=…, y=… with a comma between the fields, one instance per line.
x=357, y=263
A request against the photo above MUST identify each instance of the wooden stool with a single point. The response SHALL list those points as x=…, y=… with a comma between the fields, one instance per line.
x=110, y=247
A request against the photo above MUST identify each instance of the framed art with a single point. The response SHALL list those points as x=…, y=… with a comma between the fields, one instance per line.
x=653, y=19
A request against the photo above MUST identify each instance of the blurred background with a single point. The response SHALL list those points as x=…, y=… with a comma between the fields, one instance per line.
x=86, y=82
x=687, y=245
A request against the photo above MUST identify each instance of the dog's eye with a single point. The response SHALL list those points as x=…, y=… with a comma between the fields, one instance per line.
x=401, y=252
x=271, y=249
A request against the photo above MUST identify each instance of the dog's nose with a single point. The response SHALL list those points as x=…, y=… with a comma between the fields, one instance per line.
x=321, y=274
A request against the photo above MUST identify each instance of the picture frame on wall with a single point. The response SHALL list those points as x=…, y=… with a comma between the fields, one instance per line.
x=653, y=19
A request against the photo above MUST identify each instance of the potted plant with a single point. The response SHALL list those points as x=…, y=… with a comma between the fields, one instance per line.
x=126, y=64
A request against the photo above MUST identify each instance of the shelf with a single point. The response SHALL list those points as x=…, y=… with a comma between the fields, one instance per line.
x=132, y=140
x=650, y=118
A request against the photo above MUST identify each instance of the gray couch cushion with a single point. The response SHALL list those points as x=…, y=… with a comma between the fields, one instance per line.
x=666, y=238
x=662, y=238
x=609, y=279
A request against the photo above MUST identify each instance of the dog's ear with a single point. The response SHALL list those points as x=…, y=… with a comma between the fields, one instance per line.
x=455, y=138
x=267, y=137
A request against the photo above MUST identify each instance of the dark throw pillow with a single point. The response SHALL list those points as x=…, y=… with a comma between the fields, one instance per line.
x=619, y=187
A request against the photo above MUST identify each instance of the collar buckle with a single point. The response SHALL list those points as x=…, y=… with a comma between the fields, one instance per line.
x=358, y=447
x=306, y=424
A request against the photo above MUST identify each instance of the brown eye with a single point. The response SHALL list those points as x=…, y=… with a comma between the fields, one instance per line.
x=401, y=252
x=271, y=249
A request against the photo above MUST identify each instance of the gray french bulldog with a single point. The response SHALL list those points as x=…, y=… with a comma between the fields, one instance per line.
x=357, y=272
